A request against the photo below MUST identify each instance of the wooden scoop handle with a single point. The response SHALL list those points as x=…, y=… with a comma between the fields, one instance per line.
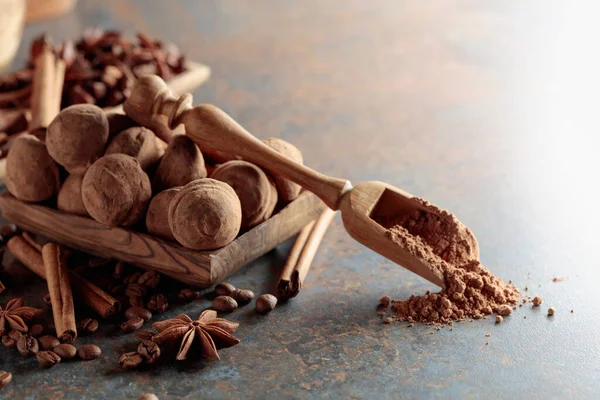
x=210, y=126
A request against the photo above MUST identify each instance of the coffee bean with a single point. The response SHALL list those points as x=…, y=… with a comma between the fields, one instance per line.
x=116, y=288
x=266, y=303
x=10, y=340
x=48, y=342
x=224, y=289
x=224, y=304
x=132, y=325
x=133, y=278
x=36, y=330
x=47, y=358
x=5, y=378
x=136, y=301
x=149, y=351
x=243, y=296
x=88, y=326
x=135, y=289
x=158, y=303
x=130, y=360
x=150, y=279
x=66, y=351
x=27, y=345
x=188, y=295
x=133, y=312
x=144, y=335
x=89, y=352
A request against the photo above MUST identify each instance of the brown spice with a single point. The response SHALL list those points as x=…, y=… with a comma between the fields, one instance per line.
x=440, y=240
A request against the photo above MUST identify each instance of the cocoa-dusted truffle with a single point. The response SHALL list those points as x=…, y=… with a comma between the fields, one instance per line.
x=69, y=197
x=287, y=189
x=77, y=137
x=115, y=190
x=254, y=188
x=157, y=216
x=31, y=174
x=139, y=143
x=118, y=122
x=181, y=164
x=205, y=215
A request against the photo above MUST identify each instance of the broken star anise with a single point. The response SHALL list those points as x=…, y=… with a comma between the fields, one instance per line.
x=212, y=333
x=15, y=315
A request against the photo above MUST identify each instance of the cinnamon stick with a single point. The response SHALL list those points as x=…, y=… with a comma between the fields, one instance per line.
x=32, y=241
x=97, y=299
x=46, y=95
x=59, y=287
x=303, y=252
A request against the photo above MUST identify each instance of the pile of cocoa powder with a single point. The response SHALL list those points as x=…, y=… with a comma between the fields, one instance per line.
x=446, y=245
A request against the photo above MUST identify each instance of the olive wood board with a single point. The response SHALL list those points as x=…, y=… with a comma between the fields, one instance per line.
x=196, y=268
x=195, y=75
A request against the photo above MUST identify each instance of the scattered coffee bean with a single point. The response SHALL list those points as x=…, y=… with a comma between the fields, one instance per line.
x=133, y=278
x=224, y=304
x=27, y=345
x=144, y=335
x=48, y=342
x=188, y=295
x=89, y=352
x=537, y=301
x=132, y=325
x=551, y=311
x=130, y=360
x=5, y=378
x=158, y=303
x=88, y=326
x=66, y=351
x=36, y=330
x=243, y=296
x=10, y=340
x=150, y=279
x=47, y=358
x=266, y=303
x=149, y=351
x=224, y=289
x=141, y=312
x=136, y=301
x=148, y=396
x=135, y=289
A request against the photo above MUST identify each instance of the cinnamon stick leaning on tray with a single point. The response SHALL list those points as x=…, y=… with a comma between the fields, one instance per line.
x=59, y=288
x=97, y=299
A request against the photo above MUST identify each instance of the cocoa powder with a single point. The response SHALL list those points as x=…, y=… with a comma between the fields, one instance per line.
x=446, y=245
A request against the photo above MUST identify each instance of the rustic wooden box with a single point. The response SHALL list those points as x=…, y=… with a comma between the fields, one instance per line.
x=197, y=268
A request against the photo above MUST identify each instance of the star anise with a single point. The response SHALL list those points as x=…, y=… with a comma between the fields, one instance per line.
x=212, y=333
x=15, y=315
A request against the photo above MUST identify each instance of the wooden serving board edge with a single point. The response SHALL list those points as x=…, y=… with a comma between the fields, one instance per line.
x=196, y=268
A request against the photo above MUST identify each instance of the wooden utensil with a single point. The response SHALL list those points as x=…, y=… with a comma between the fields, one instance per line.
x=151, y=104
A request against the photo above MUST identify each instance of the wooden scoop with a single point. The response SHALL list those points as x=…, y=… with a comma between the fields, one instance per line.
x=152, y=105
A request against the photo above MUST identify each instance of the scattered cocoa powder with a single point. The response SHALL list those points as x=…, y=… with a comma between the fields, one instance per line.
x=446, y=245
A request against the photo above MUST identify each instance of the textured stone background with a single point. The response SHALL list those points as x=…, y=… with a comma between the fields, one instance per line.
x=486, y=108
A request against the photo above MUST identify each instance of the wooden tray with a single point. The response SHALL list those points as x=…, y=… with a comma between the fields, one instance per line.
x=197, y=268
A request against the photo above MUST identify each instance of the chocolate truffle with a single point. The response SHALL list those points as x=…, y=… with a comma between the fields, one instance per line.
x=205, y=215
x=115, y=190
x=139, y=143
x=181, y=164
x=157, y=216
x=256, y=191
x=287, y=189
x=69, y=197
x=31, y=174
x=77, y=137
